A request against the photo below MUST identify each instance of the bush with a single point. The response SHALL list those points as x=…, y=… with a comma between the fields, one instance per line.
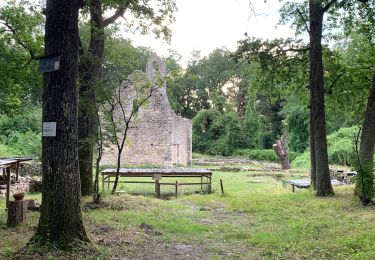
x=263, y=155
x=341, y=149
x=20, y=133
x=303, y=160
x=218, y=134
x=24, y=144
x=6, y=151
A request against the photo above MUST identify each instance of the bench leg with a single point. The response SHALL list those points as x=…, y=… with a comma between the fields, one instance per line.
x=293, y=188
x=176, y=190
x=157, y=189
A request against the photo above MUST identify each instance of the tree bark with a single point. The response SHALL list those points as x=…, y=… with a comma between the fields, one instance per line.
x=61, y=218
x=90, y=72
x=312, y=150
x=365, y=177
x=323, y=181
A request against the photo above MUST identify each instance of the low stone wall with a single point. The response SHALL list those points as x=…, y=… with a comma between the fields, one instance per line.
x=346, y=177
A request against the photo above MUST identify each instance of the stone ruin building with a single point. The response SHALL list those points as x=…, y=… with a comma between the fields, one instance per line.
x=157, y=136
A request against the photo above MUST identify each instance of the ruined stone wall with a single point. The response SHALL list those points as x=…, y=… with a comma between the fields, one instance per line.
x=157, y=136
x=181, y=141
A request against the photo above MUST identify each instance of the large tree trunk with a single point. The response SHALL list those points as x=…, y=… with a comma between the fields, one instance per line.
x=365, y=177
x=312, y=151
x=90, y=72
x=323, y=181
x=61, y=218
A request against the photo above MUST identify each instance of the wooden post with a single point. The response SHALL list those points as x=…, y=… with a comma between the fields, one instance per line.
x=103, y=182
x=8, y=181
x=209, y=184
x=109, y=181
x=157, y=189
x=201, y=183
x=176, y=188
x=221, y=186
x=4, y=177
x=16, y=213
x=17, y=169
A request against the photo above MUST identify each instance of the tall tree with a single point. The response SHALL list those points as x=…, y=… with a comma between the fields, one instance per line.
x=365, y=178
x=61, y=218
x=156, y=14
x=320, y=175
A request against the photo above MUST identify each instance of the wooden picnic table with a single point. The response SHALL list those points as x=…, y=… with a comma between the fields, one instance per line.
x=157, y=174
x=6, y=165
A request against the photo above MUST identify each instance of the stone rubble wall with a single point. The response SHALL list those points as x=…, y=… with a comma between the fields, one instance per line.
x=30, y=169
x=29, y=179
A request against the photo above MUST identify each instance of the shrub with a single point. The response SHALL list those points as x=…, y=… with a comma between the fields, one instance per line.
x=341, y=149
x=303, y=160
x=218, y=134
x=24, y=144
x=6, y=151
x=263, y=155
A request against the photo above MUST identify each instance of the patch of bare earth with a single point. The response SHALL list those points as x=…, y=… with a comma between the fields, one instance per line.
x=143, y=242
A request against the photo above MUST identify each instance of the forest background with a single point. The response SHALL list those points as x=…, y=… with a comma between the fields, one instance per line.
x=240, y=101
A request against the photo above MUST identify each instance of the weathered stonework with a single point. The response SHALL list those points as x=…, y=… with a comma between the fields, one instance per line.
x=157, y=136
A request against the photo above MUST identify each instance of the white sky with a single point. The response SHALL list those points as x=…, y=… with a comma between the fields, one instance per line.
x=208, y=24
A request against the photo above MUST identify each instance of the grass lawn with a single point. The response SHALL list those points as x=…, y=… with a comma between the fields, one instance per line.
x=255, y=219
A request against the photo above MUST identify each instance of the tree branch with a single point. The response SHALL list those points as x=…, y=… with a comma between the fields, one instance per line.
x=303, y=19
x=119, y=13
x=330, y=3
x=18, y=41
x=298, y=50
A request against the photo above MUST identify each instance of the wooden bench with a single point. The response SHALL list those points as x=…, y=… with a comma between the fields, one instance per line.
x=158, y=174
x=305, y=183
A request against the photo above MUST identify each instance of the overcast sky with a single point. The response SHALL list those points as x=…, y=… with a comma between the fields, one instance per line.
x=208, y=24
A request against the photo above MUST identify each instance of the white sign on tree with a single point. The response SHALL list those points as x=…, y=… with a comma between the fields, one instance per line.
x=49, y=128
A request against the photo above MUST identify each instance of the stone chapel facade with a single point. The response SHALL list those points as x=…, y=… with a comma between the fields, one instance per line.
x=158, y=136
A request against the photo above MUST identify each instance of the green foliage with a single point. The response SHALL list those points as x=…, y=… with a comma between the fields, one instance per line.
x=20, y=134
x=296, y=124
x=364, y=183
x=341, y=148
x=263, y=154
x=19, y=76
x=302, y=161
x=6, y=151
x=218, y=134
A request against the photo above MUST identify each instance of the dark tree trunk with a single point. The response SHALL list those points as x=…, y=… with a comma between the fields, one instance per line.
x=312, y=152
x=323, y=181
x=365, y=177
x=90, y=72
x=61, y=218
